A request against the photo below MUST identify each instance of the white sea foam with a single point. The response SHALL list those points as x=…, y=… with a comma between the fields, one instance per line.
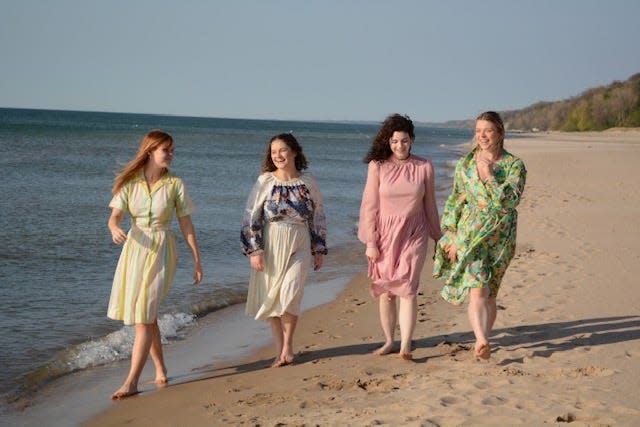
x=117, y=345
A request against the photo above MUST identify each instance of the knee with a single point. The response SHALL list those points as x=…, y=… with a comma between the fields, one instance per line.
x=387, y=298
x=479, y=296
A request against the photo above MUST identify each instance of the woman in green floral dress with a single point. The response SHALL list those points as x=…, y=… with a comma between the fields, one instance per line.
x=479, y=226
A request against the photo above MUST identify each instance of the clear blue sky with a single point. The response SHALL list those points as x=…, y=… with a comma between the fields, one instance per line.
x=317, y=60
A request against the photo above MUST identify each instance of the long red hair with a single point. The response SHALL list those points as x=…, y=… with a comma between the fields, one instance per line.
x=149, y=143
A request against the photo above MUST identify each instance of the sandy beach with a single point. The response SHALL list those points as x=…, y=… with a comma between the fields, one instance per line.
x=566, y=341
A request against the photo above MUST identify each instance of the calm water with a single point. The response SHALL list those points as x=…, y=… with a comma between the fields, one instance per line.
x=57, y=259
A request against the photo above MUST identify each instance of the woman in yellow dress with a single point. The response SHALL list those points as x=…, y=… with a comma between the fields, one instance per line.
x=150, y=194
x=284, y=235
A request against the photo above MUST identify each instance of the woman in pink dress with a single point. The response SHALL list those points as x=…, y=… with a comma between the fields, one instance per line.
x=398, y=214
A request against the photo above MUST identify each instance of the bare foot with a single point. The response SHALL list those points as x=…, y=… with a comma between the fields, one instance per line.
x=283, y=361
x=385, y=349
x=161, y=379
x=406, y=356
x=124, y=392
x=275, y=363
x=483, y=351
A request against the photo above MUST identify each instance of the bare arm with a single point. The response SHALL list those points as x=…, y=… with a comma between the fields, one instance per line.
x=430, y=207
x=117, y=234
x=189, y=233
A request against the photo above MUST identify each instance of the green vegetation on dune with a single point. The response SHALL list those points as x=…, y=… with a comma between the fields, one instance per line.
x=615, y=105
x=600, y=108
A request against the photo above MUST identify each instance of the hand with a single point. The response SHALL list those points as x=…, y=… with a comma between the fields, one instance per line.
x=317, y=261
x=452, y=252
x=485, y=168
x=257, y=262
x=118, y=235
x=372, y=253
x=197, y=273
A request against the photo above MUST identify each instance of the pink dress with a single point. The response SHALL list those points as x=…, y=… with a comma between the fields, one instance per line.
x=398, y=214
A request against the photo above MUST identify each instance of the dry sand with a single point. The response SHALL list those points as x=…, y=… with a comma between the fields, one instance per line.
x=566, y=342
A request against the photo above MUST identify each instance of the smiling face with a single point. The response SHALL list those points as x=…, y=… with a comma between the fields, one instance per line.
x=283, y=156
x=488, y=137
x=400, y=144
x=162, y=156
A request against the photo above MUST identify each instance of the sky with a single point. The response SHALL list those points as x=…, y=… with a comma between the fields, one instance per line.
x=311, y=60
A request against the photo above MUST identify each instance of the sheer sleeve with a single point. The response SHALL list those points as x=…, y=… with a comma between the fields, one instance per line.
x=318, y=221
x=251, y=234
x=367, y=226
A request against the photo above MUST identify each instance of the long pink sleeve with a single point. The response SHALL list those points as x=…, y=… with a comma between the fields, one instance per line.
x=367, y=226
x=430, y=207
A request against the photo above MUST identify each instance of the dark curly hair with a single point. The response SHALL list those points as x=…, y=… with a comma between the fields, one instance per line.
x=380, y=149
x=292, y=143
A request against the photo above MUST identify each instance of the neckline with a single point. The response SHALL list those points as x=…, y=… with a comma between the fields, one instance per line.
x=292, y=180
x=394, y=159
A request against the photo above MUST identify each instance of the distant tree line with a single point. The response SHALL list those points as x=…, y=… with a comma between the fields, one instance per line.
x=615, y=105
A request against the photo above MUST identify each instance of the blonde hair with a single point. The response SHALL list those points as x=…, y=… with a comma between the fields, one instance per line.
x=149, y=143
x=492, y=117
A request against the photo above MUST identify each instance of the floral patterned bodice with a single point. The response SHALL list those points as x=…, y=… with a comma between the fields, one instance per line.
x=295, y=202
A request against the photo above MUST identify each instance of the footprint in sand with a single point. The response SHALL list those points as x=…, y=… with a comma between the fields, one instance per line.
x=588, y=371
x=449, y=401
x=482, y=385
x=494, y=400
x=566, y=418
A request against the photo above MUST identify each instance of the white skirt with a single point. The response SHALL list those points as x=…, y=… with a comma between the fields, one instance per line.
x=287, y=259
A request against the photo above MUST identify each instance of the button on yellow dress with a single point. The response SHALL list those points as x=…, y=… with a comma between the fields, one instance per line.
x=149, y=257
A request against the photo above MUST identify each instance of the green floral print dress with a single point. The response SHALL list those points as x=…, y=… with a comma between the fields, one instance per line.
x=480, y=218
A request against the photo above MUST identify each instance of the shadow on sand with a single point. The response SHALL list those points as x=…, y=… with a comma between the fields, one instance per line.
x=544, y=339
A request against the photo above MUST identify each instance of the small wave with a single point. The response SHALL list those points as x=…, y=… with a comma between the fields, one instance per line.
x=117, y=345
x=100, y=351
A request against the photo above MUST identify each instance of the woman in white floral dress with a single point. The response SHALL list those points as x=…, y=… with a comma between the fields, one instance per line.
x=283, y=234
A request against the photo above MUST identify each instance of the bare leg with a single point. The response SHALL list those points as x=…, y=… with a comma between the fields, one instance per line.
x=388, y=319
x=157, y=356
x=478, y=312
x=278, y=338
x=408, y=318
x=139, y=354
x=289, y=322
x=493, y=313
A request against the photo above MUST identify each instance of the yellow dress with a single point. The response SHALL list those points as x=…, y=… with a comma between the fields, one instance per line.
x=148, y=259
